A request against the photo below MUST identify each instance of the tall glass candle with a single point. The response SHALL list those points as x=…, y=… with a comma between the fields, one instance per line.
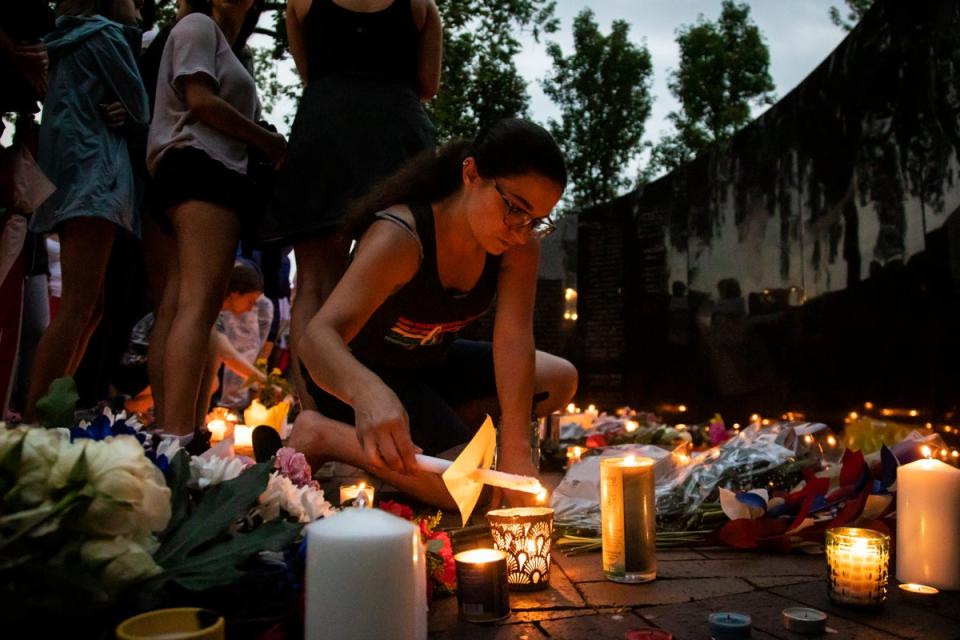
x=857, y=560
x=928, y=522
x=628, y=514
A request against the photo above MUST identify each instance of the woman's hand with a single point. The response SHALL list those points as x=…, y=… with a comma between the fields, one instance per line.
x=113, y=114
x=517, y=461
x=383, y=430
x=274, y=145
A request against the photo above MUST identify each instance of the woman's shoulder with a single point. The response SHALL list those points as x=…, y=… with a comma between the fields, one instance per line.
x=420, y=9
x=194, y=24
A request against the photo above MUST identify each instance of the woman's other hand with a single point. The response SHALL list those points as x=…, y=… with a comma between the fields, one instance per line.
x=113, y=114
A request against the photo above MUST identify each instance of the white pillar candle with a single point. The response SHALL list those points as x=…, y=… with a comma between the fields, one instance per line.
x=217, y=429
x=366, y=574
x=928, y=521
x=243, y=440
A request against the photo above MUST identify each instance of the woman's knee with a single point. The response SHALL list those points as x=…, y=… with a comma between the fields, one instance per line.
x=557, y=376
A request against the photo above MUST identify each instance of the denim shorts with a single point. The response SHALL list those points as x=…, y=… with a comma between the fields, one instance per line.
x=430, y=395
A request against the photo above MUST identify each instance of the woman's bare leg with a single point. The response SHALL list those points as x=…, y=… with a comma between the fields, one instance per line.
x=321, y=439
x=85, y=246
x=206, y=236
x=320, y=263
x=160, y=260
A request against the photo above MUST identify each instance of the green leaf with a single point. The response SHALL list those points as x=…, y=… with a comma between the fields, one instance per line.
x=218, y=565
x=178, y=475
x=56, y=409
x=219, y=508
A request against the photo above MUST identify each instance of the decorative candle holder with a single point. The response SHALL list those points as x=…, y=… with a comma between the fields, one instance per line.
x=349, y=493
x=243, y=440
x=524, y=534
x=188, y=623
x=628, y=516
x=858, y=561
x=482, y=591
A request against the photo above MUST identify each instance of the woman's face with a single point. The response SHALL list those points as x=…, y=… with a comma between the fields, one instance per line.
x=125, y=11
x=238, y=8
x=503, y=210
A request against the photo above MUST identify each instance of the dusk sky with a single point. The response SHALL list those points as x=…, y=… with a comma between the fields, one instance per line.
x=799, y=34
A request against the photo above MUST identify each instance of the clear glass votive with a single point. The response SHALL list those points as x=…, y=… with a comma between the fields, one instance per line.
x=858, y=566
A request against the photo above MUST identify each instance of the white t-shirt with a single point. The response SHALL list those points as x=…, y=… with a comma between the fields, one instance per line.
x=196, y=45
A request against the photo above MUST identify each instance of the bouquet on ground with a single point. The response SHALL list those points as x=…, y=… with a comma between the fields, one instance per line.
x=441, y=569
x=102, y=516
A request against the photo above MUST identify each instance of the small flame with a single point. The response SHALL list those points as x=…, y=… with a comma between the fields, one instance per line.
x=542, y=495
x=868, y=405
x=362, y=486
x=854, y=415
x=682, y=408
x=943, y=453
x=831, y=441
x=631, y=426
x=925, y=451
x=571, y=408
x=914, y=413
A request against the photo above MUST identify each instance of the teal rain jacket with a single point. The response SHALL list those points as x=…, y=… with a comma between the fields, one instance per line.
x=91, y=62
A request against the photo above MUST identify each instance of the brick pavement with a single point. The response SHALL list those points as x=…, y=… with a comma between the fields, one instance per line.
x=580, y=603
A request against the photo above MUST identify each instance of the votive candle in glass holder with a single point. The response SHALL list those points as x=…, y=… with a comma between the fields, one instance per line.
x=482, y=591
x=524, y=534
x=243, y=440
x=349, y=492
x=857, y=562
x=628, y=517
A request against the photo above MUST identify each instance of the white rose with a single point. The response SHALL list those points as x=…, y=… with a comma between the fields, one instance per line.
x=303, y=503
x=10, y=437
x=41, y=448
x=130, y=494
x=120, y=560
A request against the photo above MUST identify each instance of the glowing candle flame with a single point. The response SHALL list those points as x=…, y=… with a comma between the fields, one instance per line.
x=925, y=451
x=571, y=408
x=631, y=426
x=542, y=495
x=831, y=441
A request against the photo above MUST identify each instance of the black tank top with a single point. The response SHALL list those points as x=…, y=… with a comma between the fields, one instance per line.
x=415, y=326
x=381, y=45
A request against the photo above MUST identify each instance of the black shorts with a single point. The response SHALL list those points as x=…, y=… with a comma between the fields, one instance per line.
x=187, y=173
x=430, y=396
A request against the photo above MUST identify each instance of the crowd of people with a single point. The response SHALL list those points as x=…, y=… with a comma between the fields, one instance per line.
x=156, y=141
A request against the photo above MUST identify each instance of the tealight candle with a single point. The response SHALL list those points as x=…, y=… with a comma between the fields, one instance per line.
x=573, y=455
x=482, y=592
x=217, y=429
x=804, y=620
x=928, y=521
x=728, y=625
x=243, y=440
x=524, y=533
x=350, y=492
x=628, y=516
x=919, y=593
x=857, y=560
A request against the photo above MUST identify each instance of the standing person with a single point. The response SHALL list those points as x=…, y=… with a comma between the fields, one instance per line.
x=94, y=89
x=367, y=65
x=205, y=117
x=440, y=239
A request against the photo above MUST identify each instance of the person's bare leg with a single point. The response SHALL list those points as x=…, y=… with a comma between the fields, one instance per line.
x=160, y=260
x=321, y=439
x=85, y=245
x=206, y=236
x=320, y=263
x=553, y=375
x=207, y=387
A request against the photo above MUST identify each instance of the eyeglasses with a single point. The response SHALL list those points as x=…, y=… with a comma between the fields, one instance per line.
x=517, y=218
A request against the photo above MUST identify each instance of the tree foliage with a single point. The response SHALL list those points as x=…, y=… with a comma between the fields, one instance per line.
x=724, y=70
x=480, y=83
x=856, y=9
x=603, y=91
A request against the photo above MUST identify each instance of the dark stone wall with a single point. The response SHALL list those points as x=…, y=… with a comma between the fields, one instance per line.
x=813, y=260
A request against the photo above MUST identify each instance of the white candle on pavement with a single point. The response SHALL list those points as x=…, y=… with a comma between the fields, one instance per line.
x=366, y=572
x=928, y=521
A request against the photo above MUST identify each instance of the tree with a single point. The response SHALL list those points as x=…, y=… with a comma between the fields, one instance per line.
x=856, y=9
x=479, y=83
x=603, y=91
x=724, y=70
